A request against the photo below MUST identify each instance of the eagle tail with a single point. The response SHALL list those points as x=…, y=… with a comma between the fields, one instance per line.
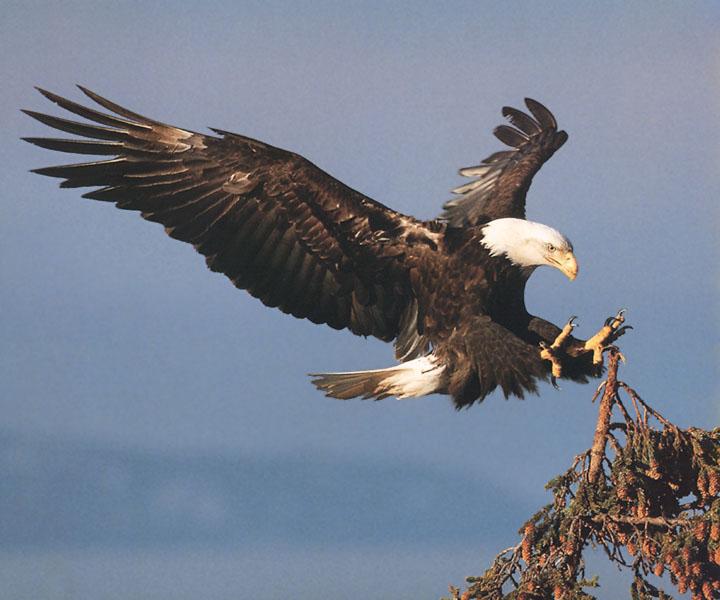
x=411, y=379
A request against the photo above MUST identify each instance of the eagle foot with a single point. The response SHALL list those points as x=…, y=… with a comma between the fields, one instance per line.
x=603, y=339
x=551, y=352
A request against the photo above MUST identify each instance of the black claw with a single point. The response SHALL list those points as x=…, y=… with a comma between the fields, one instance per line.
x=618, y=318
x=621, y=331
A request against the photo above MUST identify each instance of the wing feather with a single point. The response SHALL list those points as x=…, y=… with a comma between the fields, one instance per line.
x=541, y=114
x=510, y=136
x=270, y=220
x=521, y=120
x=93, y=115
x=503, y=178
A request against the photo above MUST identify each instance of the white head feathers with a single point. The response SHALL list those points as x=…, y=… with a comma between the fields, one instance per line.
x=529, y=244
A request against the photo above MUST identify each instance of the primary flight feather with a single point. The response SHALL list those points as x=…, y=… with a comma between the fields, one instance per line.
x=449, y=292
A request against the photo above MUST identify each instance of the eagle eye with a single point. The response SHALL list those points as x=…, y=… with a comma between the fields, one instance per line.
x=550, y=247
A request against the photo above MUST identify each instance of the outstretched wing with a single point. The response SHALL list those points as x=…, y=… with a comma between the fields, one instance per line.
x=270, y=220
x=502, y=180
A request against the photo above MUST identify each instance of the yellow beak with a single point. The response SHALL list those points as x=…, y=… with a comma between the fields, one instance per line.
x=568, y=265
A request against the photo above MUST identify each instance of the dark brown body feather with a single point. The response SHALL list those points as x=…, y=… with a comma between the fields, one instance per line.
x=298, y=239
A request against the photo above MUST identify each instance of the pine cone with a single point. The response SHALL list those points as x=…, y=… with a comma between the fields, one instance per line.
x=713, y=483
x=715, y=532
x=696, y=569
x=700, y=530
x=707, y=590
x=702, y=485
x=682, y=585
x=527, y=542
x=648, y=548
x=675, y=567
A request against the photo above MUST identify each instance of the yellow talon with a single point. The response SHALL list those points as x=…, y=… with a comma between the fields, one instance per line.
x=562, y=337
x=597, y=343
x=549, y=352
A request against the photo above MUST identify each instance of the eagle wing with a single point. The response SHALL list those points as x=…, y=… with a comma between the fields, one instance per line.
x=500, y=183
x=270, y=220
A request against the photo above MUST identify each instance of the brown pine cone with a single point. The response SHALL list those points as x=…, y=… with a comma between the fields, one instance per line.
x=700, y=530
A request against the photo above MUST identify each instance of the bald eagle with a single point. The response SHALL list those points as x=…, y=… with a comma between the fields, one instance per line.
x=449, y=292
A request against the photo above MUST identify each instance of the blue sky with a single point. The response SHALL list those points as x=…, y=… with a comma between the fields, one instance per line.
x=115, y=334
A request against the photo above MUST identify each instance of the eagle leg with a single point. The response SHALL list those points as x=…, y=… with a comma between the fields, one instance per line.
x=551, y=352
x=610, y=331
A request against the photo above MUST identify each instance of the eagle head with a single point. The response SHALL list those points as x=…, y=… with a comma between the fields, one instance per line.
x=529, y=244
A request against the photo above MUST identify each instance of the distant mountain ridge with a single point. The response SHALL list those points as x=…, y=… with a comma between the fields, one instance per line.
x=60, y=493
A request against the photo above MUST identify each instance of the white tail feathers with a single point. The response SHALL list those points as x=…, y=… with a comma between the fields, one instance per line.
x=411, y=379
